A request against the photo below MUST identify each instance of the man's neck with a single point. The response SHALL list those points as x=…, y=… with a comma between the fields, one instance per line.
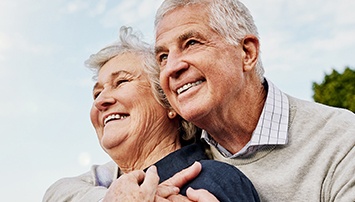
x=234, y=130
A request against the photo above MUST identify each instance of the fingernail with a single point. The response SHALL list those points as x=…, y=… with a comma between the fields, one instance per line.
x=152, y=169
x=190, y=188
x=196, y=163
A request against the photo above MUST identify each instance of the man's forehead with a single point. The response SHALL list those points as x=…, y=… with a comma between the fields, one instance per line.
x=180, y=16
x=174, y=37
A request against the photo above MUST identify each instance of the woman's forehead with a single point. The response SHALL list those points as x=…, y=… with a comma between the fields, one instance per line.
x=126, y=62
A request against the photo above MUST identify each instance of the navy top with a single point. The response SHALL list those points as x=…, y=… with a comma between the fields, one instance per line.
x=224, y=181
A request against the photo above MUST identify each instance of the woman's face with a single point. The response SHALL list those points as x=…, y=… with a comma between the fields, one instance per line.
x=124, y=111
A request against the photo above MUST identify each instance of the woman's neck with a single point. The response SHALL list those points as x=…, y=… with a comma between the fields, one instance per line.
x=152, y=151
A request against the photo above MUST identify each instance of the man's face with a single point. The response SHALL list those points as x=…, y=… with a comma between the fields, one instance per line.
x=200, y=72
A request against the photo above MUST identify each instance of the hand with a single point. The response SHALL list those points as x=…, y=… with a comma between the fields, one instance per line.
x=172, y=185
x=134, y=186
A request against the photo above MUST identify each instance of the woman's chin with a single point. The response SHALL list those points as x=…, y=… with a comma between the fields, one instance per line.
x=110, y=141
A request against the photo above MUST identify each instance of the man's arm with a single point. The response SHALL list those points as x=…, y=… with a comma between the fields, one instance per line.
x=342, y=180
x=91, y=186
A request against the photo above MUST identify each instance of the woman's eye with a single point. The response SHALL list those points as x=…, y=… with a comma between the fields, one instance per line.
x=96, y=94
x=121, y=81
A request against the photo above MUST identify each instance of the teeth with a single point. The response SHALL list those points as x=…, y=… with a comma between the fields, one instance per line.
x=187, y=86
x=113, y=117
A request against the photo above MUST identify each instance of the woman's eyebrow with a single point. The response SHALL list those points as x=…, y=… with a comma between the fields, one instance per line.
x=96, y=86
x=117, y=73
x=113, y=76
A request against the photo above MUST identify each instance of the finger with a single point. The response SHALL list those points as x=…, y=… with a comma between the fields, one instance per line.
x=166, y=190
x=150, y=183
x=200, y=195
x=125, y=187
x=136, y=176
x=184, y=176
x=160, y=199
x=151, y=177
x=178, y=198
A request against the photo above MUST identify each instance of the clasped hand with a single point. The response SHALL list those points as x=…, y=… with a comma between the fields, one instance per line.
x=144, y=186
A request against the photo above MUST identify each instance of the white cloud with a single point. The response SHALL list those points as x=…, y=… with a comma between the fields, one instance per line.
x=76, y=6
x=17, y=42
x=6, y=9
x=124, y=12
x=294, y=31
x=99, y=8
x=344, y=12
x=5, y=42
x=131, y=12
x=341, y=40
x=84, y=159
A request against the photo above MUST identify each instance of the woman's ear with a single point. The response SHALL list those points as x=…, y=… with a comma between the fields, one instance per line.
x=250, y=45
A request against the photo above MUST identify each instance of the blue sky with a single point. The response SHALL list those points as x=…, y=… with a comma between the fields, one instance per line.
x=45, y=88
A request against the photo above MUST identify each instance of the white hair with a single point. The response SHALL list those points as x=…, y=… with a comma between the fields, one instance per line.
x=130, y=42
x=230, y=18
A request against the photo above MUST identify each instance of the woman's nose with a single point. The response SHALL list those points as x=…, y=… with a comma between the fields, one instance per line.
x=104, y=100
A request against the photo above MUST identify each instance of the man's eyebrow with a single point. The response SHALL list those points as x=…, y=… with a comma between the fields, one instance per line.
x=158, y=49
x=183, y=37
x=186, y=35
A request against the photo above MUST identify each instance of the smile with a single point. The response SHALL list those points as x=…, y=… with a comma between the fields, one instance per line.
x=187, y=87
x=114, y=117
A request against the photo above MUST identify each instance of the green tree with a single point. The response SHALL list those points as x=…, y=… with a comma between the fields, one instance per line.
x=337, y=89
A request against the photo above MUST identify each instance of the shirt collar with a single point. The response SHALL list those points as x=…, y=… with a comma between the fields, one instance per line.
x=272, y=127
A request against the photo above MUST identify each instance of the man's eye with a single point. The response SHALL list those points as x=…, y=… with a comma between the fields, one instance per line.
x=163, y=57
x=191, y=42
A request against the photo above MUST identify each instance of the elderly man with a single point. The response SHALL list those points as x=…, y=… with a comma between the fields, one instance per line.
x=211, y=71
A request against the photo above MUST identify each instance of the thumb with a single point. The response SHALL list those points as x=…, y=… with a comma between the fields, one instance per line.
x=200, y=195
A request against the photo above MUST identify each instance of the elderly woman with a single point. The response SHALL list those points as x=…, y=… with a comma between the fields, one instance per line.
x=137, y=127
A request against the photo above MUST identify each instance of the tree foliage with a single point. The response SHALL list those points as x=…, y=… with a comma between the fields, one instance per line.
x=337, y=89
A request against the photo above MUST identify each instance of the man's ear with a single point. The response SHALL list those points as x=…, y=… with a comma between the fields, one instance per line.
x=250, y=45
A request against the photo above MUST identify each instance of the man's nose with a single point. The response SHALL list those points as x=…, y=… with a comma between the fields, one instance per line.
x=176, y=65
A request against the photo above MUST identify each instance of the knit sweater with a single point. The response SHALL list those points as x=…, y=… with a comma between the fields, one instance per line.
x=229, y=185
x=317, y=164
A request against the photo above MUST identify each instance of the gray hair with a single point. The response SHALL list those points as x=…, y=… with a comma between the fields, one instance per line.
x=130, y=42
x=230, y=18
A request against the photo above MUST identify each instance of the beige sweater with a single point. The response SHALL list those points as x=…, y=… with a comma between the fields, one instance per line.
x=318, y=163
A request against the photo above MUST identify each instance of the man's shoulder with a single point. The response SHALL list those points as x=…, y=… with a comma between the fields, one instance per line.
x=309, y=119
x=312, y=110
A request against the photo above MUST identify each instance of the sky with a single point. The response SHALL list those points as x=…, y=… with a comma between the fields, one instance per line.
x=46, y=89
